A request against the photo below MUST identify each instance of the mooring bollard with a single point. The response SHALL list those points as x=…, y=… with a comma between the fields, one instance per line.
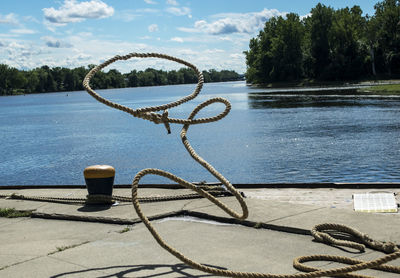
x=99, y=182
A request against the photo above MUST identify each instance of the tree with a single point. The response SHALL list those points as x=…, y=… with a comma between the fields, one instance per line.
x=132, y=79
x=175, y=77
x=286, y=49
x=347, y=52
x=229, y=75
x=371, y=40
x=32, y=81
x=5, y=84
x=146, y=78
x=45, y=79
x=115, y=79
x=276, y=54
x=321, y=24
x=189, y=76
x=387, y=23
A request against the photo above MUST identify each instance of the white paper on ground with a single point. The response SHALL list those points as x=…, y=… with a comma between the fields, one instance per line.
x=375, y=202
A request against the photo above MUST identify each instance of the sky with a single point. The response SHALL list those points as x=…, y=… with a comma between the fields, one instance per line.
x=212, y=34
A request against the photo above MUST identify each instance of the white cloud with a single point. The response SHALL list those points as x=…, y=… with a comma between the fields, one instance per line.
x=151, y=2
x=81, y=57
x=130, y=15
x=23, y=31
x=81, y=49
x=30, y=18
x=305, y=16
x=177, y=39
x=172, y=2
x=56, y=43
x=73, y=11
x=20, y=54
x=153, y=28
x=9, y=19
x=237, y=55
x=214, y=51
x=179, y=11
x=234, y=23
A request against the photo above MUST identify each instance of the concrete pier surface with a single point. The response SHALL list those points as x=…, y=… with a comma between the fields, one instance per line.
x=76, y=240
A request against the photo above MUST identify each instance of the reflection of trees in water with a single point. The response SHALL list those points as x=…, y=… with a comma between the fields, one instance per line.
x=276, y=100
x=140, y=271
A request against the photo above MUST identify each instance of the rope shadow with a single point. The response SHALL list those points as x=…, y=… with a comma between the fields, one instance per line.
x=179, y=271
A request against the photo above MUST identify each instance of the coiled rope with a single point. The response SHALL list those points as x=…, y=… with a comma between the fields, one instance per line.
x=150, y=114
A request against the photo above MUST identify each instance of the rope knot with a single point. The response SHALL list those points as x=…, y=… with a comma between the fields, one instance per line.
x=386, y=247
x=164, y=119
x=318, y=236
x=389, y=247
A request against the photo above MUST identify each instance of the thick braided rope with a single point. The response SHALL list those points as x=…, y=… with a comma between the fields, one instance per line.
x=147, y=113
x=113, y=198
x=320, y=235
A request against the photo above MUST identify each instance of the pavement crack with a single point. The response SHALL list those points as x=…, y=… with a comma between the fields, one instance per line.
x=18, y=263
x=187, y=204
x=63, y=248
x=296, y=214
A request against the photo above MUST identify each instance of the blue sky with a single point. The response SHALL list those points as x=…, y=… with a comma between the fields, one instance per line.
x=72, y=33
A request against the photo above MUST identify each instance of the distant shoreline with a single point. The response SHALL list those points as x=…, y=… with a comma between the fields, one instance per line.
x=362, y=89
x=367, y=88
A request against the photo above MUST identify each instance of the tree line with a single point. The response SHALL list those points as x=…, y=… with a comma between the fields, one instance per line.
x=329, y=44
x=45, y=79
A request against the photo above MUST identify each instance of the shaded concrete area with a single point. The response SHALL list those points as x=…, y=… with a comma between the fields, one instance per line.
x=34, y=247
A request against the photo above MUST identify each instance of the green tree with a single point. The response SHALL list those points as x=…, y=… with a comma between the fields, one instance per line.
x=71, y=80
x=371, y=40
x=321, y=24
x=286, y=52
x=58, y=75
x=45, y=79
x=115, y=79
x=132, y=79
x=160, y=77
x=215, y=76
x=32, y=81
x=253, y=62
x=10, y=80
x=146, y=78
x=189, y=76
x=79, y=74
x=229, y=75
x=258, y=58
x=387, y=23
x=175, y=77
x=347, y=52
x=276, y=53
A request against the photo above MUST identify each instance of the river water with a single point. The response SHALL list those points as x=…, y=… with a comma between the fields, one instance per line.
x=269, y=136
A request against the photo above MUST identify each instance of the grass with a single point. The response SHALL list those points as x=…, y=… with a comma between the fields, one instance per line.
x=127, y=229
x=13, y=213
x=63, y=248
x=392, y=89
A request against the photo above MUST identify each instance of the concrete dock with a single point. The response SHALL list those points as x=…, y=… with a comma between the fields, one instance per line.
x=57, y=241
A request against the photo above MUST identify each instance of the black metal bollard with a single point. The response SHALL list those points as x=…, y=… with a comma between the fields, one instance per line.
x=99, y=182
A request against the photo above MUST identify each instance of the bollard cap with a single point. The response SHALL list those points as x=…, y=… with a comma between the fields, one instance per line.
x=99, y=171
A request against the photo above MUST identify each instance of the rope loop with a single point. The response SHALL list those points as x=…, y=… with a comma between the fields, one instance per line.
x=320, y=234
x=147, y=113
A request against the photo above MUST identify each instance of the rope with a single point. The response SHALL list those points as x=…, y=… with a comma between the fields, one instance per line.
x=110, y=199
x=148, y=113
